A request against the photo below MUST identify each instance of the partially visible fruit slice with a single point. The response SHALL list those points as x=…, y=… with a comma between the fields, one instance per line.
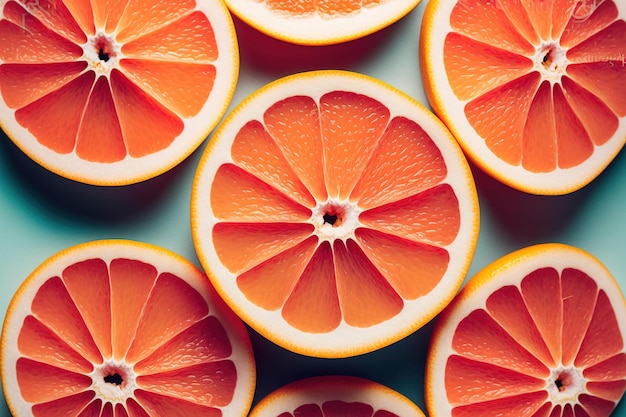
x=333, y=213
x=127, y=329
x=533, y=90
x=540, y=332
x=335, y=396
x=112, y=94
x=323, y=22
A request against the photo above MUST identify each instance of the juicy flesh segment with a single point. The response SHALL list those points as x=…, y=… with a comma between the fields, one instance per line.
x=141, y=346
x=542, y=81
x=541, y=347
x=339, y=212
x=327, y=9
x=338, y=408
x=105, y=80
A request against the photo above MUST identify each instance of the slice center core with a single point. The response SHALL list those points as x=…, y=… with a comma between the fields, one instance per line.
x=335, y=219
x=113, y=381
x=102, y=53
x=551, y=61
x=565, y=384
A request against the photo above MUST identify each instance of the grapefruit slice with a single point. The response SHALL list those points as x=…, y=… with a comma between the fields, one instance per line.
x=533, y=90
x=335, y=396
x=334, y=213
x=324, y=22
x=113, y=94
x=127, y=329
x=540, y=332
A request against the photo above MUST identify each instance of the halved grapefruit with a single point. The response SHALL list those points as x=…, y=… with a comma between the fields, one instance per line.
x=533, y=90
x=123, y=328
x=334, y=213
x=539, y=332
x=114, y=93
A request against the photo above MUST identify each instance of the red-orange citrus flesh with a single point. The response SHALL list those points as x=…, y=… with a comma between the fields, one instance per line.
x=114, y=93
x=533, y=90
x=334, y=213
x=539, y=333
x=121, y=328
x=335, y=396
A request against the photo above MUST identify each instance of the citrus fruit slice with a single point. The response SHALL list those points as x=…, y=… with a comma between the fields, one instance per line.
x=334, y=213
x=308, y=22
x=533, y=90
x=127, y=329
x=335, y=396
x=114, y=93
x=540, y=332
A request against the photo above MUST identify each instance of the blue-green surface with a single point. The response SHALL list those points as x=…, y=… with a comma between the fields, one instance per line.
x=41, y=213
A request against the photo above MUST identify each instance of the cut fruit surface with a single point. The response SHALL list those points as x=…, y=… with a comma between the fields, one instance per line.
x=123, y=328
x=113, y=95
x=333, y=213
x=532, y=90
x=539, y=332
x=322, y=22
x=334, y=396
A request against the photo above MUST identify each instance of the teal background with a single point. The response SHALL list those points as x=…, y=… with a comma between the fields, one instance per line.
x=41, y=213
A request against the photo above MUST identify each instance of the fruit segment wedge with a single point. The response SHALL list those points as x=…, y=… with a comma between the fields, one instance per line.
x=333, y=213
x=532, y=90
x=114, y=93
x=123, y=326
x=541, y=331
